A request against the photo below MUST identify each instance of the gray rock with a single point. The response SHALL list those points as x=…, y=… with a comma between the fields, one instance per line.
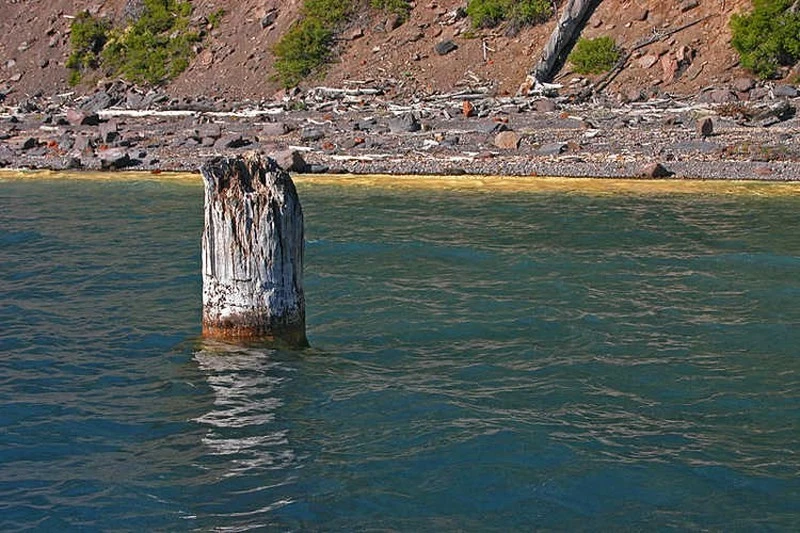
x=77, y=117
x=231, y=141
x=269, y=19
x=784, y=91
x=366, y=124
x=99, y=101
x=445, y=47
x=544, y=105
x=687, y=147
x=213, y=131
x=744, y=85
x=114, y=159
x=83, y=143
x=109, y=132
x=290, y=161
x=311, y=135
x=406, y=123
x=30, y=143
x=550, y=149
x=718, y=96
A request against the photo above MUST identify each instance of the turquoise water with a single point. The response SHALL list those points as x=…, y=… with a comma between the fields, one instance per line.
x=481, y=362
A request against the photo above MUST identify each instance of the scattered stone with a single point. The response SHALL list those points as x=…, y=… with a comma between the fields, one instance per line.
x=311, y=134
x=445, y=47
x=718, y=96
x=405, y=123
x=98, y=101
x=507, y=140
x=647, y=61
x=73, y=163
x=317, y=169
x=109, y=132
x=77, y=117
x=44, y=62
x=705, y=127
x=544, y=105
x=231, y=141
x=290, y=161
x=274, y=129
x=551, y=149
x=355, y=34
x=269, y=19
x=640, y=14
x=29, y=143
x=688, y=5
x=83, y=143
x=743, y=85
x=114, y=159
x=784, y=91
x=655, y=170
x=490, y=127
x=212, y=131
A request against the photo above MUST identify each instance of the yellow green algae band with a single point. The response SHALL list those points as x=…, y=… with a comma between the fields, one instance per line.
x=463, y=183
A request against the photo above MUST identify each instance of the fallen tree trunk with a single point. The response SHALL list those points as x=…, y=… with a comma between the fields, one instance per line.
x=573, y=19
x=252, y=252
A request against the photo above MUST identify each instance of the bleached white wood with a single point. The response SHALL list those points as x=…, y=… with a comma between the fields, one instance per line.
x=252, y=251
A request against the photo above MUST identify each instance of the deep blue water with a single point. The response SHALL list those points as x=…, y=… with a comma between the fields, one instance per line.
x=479, y=362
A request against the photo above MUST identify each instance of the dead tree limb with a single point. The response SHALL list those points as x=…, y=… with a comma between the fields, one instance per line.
x=554, y=55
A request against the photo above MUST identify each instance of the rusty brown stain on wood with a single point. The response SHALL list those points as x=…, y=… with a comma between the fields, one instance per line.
x=252, y=252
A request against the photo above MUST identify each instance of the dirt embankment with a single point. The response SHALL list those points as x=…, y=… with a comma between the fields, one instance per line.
x=236, y=61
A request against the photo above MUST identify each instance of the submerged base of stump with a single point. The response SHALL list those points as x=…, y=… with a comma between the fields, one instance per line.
x=252, y=252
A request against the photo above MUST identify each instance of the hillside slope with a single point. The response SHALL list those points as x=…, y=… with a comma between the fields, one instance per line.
x=236, y=60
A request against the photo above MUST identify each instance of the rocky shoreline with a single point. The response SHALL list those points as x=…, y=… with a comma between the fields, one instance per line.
x=714, y=135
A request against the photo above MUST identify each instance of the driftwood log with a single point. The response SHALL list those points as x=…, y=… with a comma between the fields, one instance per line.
x=575, y=15
x=252, y=252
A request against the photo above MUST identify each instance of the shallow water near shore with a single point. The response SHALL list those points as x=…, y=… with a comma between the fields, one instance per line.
x=596, y=355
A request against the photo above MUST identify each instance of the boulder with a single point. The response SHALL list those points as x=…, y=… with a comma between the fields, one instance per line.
x=784, y=91
x=445, y=47
x=114, y=159
x=77, y=117
x=655, y=170
x=231, y=141
x=743, y=84
x=311, y=134
x=551, y=149
x=507, y=140
x=109, y=132
x=705, y=127
x=290, y=161
x=405, y=123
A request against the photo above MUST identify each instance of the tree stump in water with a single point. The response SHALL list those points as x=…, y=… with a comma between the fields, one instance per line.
x=252, y=252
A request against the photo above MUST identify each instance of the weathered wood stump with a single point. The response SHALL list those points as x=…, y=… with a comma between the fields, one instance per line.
x=252, y=252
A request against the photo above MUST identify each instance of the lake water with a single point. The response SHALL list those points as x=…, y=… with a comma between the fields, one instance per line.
x=571, y=357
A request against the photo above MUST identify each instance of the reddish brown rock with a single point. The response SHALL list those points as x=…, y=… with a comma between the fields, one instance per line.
x=507, y=140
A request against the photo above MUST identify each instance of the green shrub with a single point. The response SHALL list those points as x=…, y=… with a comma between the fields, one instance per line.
x=399, y=7
x=156, y=47
x=593, y=56
x=216, y=17
x=306, y=46
x=302, y=50
x=490, y=13
x=87, y=38
x=329, y=12
x=768, y=37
